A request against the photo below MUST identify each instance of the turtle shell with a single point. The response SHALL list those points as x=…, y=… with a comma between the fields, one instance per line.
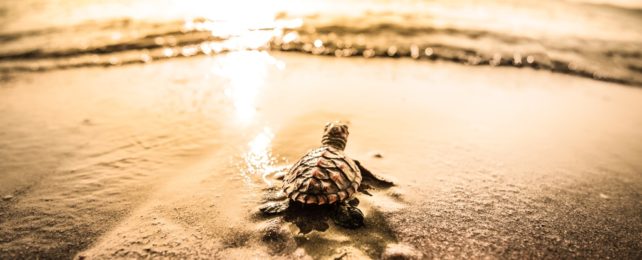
x=323, y=176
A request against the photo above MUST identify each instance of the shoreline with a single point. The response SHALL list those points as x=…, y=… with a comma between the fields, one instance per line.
x=558, y=67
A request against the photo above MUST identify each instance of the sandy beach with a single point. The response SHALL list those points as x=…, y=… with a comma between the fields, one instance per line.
x=167, y=160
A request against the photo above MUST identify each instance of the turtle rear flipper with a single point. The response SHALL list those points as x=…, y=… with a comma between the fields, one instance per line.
x=370, y=179
x=275, y=207
x=348, y=216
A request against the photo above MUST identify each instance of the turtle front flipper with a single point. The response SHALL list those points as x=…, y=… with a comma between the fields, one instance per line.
x=370, y=179
x=275, y=207
x=348, y=216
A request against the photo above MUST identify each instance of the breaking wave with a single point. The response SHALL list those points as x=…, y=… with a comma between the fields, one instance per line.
x=126, y=41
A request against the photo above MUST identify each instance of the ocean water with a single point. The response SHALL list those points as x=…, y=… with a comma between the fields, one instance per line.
x=589, y=38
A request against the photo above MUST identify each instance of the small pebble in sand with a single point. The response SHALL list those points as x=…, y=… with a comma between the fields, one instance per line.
x=7, y=197
x=604, y=196
x=400, y=252
x=377, y=155
x=300, y=254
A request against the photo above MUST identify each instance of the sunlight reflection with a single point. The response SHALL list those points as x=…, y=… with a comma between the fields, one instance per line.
x=244, y=28
x=246, y=72
x=244, y=35
x=259, y=160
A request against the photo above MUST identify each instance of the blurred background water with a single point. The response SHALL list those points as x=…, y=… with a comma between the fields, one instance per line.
x=587, y=38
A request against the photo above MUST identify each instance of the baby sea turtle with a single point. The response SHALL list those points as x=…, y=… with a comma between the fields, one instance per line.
x=326, y=179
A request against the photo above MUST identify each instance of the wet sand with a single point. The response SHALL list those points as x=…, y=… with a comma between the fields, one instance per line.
x=166, y=159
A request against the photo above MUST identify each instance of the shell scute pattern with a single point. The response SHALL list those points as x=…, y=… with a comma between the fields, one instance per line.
x=323, y=176
x=348, y=171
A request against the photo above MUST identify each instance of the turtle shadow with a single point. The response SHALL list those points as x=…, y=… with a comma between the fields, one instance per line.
x=312, y=228
x=321, y=238
x=309, y=217
x=371, y=239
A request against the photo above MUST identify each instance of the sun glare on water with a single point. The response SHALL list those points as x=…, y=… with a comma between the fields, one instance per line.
x=246, y=73
x=259, y=160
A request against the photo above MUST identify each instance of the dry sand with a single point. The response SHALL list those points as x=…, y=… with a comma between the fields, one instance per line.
x=165, y=159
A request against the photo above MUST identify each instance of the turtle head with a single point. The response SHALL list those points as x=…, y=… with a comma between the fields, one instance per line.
x=335, y=134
